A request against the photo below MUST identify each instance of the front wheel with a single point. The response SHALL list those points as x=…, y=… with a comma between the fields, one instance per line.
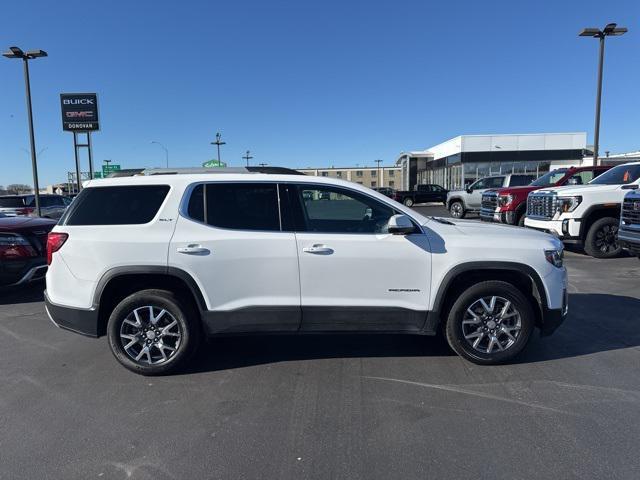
x=602, y=238
x=456, y=209
x=490, y=323
x=408, y=202
x=152, y=332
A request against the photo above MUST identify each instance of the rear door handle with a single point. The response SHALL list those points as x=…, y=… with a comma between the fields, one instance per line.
x=193, y=249
x=318, y=249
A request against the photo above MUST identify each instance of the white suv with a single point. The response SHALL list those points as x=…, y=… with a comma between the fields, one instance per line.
x=587, y=215
x=159, y=262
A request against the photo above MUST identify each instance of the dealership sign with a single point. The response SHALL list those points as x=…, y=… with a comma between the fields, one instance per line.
x=79, y=112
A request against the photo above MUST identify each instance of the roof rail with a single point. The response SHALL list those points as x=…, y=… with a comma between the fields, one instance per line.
x=196, y=170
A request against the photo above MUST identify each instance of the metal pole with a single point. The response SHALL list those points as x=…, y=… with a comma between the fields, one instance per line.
x=32, y=138
x=596, y=132
x=218, y=144
x=166, y=155
x=90, y=155
x=75, y=150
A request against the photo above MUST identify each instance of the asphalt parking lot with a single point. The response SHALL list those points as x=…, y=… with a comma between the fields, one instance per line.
x=324, y=407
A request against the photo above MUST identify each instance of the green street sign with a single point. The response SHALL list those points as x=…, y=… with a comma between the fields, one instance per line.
x=214, y=164
x=107, y=169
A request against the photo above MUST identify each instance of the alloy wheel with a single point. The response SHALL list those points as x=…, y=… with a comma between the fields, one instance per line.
x=607, y=239
x=456, y=210
x=491, y=324
x=150, y=335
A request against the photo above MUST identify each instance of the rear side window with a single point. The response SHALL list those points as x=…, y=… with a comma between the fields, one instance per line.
x=237, y=206
x=11, y=202
x=126, y=205
x=521, y=180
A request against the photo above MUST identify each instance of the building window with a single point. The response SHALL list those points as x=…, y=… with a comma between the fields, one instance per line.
x=374, y=173
x=373, y=184
x=324, y=174
x=339, y=174
x=392, y=184
x=358, y=173
x=392, y=173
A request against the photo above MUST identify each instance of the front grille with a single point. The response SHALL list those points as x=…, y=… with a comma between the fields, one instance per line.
x=541, y=205
x=488, y=205
x=630, y=217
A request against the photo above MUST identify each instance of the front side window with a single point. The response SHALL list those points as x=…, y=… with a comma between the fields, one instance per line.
x=337, y=210
x=520, y=180
x=550, y=178
x=123, y=205
x=620, y=175
x=237, y=206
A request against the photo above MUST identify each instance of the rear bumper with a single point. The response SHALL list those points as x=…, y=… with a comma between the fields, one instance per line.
x=20, y=272
x=78, y=320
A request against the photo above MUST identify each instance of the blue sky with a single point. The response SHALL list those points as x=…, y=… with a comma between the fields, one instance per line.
x=303, y=83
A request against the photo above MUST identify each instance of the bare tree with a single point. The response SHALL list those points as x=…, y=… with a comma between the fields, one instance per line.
x=18, y=188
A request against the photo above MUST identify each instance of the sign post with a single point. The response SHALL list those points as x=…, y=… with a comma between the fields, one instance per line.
x=80, y=115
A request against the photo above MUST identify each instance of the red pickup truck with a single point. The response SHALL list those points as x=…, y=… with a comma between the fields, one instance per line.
x=509, y=205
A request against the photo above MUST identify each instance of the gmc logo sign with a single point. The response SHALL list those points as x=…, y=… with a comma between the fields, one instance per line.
x=636, y=206
x=79, y=112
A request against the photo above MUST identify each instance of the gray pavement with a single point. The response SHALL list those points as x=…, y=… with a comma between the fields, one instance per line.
x=320, y=407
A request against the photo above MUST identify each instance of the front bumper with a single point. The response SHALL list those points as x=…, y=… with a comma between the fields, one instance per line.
x=567, y=229
x=630, y=240
x=78, y=320
x=557, y=307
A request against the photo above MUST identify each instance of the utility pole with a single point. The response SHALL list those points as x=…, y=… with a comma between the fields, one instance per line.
x=218, y=142
x=380, y=182
x=247, y=157
x=263, y=164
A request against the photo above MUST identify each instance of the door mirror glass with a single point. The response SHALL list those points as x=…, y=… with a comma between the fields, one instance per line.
x=469, y=190
x=400, y=225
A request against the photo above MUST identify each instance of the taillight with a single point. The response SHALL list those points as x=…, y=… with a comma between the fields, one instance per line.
x=55, y=240
x=13, y=246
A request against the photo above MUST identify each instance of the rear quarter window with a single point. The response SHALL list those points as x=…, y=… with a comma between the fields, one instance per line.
x=120, y=205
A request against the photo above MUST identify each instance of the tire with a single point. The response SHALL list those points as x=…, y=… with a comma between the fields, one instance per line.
x=182, y=339
x=408, y=202
x=602, y=238
x=521, y=218
x=456, y=209
x=461, y=323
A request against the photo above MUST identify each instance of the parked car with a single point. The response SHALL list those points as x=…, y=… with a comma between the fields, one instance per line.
x=629, y=232
x=386, y=191
x=422, y=194
x=587, y=215
x=51, y=206
x=157, y=263
x=509, y=205
x=23, y=243
x=461, y=202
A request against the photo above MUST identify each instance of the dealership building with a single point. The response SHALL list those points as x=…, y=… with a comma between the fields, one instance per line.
x=464, y=159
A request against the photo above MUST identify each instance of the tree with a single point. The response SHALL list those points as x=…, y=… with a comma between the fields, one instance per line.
x=18, y=188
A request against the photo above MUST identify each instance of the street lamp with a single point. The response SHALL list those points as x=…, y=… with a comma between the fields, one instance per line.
x=611, y=30
x=378, y=169
x=166, y=152
x=15, y=52
x=247, y=157
x=218, y=142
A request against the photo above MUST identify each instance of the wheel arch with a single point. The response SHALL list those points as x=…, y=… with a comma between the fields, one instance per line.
x=462, y=276
x=457, y=198
x=596, y=212
x=117, y=283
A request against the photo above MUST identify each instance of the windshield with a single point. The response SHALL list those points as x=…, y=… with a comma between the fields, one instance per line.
x=550, y=178
x=620, y=175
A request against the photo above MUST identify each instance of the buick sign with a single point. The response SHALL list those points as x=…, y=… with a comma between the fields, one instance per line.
x=79, y=112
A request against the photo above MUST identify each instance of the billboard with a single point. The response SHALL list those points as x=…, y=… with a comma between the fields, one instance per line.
x=214, y=164
x=79, y=112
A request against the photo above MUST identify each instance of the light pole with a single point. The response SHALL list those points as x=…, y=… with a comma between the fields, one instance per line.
x=378, y=169
x=218, y=142
x=15, y=52
x=611, y=30
x=263, y=164
x=247, y=157
x=166, y=151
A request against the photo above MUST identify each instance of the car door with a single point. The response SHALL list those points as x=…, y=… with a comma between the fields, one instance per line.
x=354, y=275
x=229, y=238
x=481, y=186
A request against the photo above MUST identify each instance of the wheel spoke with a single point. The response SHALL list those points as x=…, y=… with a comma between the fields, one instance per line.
x=142, y=352
x=507, y=333
x=129, y=322
x=138, y=321
x=159, y=316
x=486, y=307
x=492, y=340
x=504, y=310
x=477, y=333
x=478, y=340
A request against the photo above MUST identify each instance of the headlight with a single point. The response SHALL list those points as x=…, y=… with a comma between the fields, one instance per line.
x=567, y=204
x=504, y=200
x=554, y=257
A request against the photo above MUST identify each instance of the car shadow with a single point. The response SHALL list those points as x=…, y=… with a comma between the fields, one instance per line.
x=596, y=323
x=31, y=293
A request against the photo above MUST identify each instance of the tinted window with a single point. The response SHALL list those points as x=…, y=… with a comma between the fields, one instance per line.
x=550, y=178
x=51, y=201
x=336, y=210
x=11, y=202
x=520, y=180
x=238, y=206
x=491, y=182
x=126, y=205
x=620, y=175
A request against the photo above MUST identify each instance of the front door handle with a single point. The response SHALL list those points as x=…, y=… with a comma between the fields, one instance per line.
x=194, y=249
x=318, y=249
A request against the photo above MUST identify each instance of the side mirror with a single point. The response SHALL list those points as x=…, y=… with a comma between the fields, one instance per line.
x=469, y=190
x=572, y=181
x=400, y=225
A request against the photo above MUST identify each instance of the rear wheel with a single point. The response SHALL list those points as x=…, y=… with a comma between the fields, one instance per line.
x=456, y=209
x=602, y=238
x=152, y=332
x=490, y=323
x=408, y=202
x=520, y=221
